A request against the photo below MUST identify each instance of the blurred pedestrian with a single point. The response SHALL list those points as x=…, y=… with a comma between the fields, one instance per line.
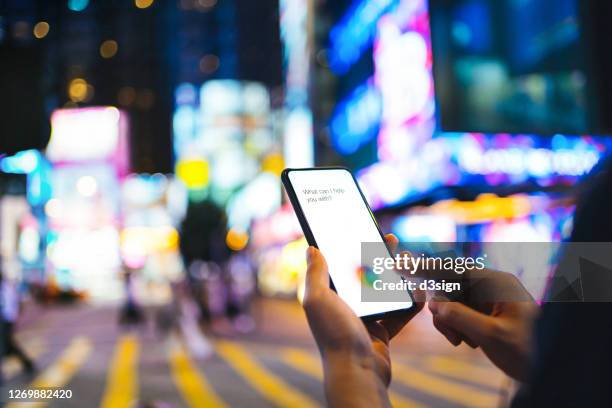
x=131, y=313
x=206, y=255
x=9, y=304
x=242, y=286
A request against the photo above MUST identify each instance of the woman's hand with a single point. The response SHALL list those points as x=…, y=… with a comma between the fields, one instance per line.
x=355, y=356
x=497, y=316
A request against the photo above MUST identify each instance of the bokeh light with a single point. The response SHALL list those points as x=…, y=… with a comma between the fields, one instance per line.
x=126, y=96
x=77, y=90
x=236, y=240
x=41, y=29
x=143, y=4
x=209, y=63
x=204, y=5
x=78, y=5
x=21, y=30
x=53, y=208
x=109, y=48
x=273, y=163
x=87, y=186
x=193, y=172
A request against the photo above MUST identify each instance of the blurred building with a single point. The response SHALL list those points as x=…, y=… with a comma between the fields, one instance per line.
x=108, y=75
x=130, y=54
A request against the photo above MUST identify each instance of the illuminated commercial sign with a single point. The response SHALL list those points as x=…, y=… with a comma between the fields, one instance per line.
x=298, y=140
x=355, y=32
x=355, y=120
x=86, y=134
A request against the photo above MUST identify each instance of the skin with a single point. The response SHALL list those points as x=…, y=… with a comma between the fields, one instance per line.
x=501, y=326
x=355, y=355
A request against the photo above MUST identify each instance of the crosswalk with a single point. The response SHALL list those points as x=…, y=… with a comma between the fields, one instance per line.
x=194, y=386
x=61, y=371
x=310, y=365
x=465, y=395
x=272, y=387
x=121, y=383
x=34, y=349
x=429, y=381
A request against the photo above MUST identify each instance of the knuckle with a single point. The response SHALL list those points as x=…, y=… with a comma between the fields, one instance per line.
x=448, y=312
x=508, y=277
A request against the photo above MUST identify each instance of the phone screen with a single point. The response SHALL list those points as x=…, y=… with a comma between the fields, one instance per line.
x=340, y=221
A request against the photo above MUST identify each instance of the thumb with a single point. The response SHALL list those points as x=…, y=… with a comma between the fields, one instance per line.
x=464, y=320
x=392, y=242
x=316, y=275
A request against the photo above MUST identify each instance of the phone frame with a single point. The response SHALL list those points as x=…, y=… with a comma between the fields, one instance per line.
x=299, y=212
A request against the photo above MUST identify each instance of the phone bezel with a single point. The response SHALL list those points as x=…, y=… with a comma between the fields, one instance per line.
x=311, y=239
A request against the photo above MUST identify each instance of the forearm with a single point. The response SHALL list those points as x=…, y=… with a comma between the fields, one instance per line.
x=351, y=381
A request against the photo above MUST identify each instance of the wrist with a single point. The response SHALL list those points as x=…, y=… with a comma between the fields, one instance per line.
x=348, y=360
x=351, y=379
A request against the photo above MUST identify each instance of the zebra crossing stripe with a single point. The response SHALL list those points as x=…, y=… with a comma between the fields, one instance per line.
x=306, y=363
x=451, y=367
x=59, y=373
x=192, y=384
x=34, y=349
x=270, y=386
x=122, y=377
x=442, y=388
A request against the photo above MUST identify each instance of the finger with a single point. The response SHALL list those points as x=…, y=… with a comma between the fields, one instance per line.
x=470, y=342
x=380, y=344
x=395, y=324
x=405, y=267
x=316, y=275
x=392, y=242
x=469, y=323
x=451, y=335
x=378, y=331
x=419, y=295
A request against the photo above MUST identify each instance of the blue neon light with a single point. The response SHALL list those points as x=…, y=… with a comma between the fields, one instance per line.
x=33, y=164
x=355, y=32
x=23, y=162
x=355, y=120
x=78, y=5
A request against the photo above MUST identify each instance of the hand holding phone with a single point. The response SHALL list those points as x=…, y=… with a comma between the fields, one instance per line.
x=356, y=356
x=336, y=219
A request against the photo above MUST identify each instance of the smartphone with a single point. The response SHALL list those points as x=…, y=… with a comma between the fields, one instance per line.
x=336, y=218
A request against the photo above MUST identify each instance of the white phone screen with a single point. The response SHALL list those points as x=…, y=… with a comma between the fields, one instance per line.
x=340, y=221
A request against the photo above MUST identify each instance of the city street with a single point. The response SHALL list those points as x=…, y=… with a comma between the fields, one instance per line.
x=82, y=348
x=165, y=166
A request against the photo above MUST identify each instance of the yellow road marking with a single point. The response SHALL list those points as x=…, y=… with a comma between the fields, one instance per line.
x=439, y=387
x=465, y=371
x=121, y=381
x=303, y=361
x=270, y=386
x=58, y=374
x=194, y=387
